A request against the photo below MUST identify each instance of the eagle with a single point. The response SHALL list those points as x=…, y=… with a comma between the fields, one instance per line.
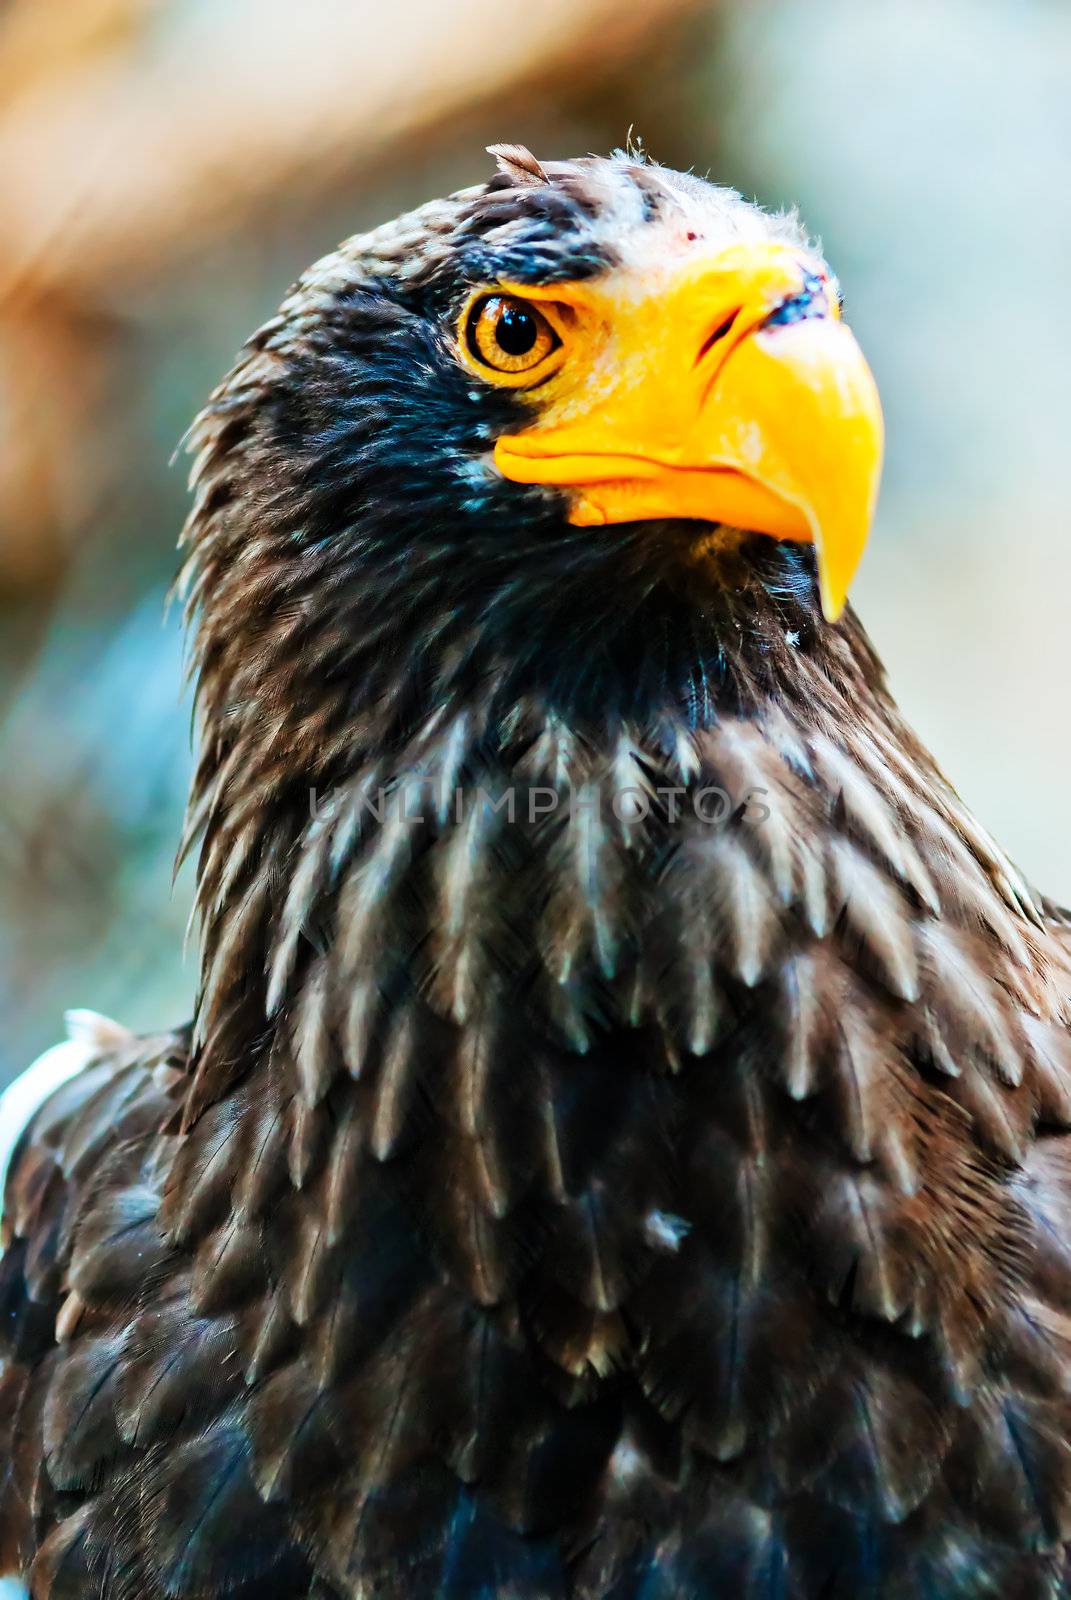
x=621, y=1148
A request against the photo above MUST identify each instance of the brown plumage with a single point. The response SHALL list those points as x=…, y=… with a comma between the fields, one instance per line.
x=543, y=1205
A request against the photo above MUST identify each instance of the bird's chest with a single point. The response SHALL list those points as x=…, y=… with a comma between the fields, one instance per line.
x=604, y=1172
x=533, y=1299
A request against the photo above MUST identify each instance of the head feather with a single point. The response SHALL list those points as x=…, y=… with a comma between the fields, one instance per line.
x=518, y=163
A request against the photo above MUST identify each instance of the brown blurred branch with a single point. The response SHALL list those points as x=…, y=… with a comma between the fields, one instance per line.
x=133, y=131
x=41, y=39
x=56, y=372
x=115, y=165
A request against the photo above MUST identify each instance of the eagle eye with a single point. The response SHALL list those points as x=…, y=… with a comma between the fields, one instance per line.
x=509, y=337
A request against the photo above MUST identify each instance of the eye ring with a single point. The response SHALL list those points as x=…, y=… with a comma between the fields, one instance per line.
x=508, y=337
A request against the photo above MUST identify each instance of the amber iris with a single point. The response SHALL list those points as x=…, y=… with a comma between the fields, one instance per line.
x=509, y=335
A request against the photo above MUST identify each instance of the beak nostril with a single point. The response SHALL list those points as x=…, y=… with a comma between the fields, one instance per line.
x=718, y=334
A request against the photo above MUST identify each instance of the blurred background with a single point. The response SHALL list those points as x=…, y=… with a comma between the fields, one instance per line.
x=168, y=166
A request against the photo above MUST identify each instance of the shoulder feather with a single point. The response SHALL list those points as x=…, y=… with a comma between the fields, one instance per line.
x=89, y=1035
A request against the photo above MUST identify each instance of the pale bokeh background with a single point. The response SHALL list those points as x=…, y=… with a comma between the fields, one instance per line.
x=166, y=168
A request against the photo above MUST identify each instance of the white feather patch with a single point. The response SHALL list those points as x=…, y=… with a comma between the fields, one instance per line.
x=29, y=1092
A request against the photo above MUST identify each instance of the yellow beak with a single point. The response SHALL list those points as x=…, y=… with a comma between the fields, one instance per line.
x=727, y=391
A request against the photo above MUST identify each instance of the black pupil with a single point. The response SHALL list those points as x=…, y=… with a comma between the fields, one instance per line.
x=516, y=331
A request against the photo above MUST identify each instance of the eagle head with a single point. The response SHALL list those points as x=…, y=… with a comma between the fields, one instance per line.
x=524, y=435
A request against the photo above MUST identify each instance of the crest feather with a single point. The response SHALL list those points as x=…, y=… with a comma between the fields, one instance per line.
x=518, y=163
